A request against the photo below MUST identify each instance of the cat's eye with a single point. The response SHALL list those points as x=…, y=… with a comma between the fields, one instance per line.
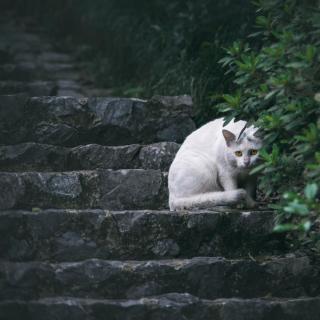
x=253, y=152
x=238, y=153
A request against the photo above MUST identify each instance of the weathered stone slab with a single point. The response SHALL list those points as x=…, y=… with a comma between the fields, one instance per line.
x=97, y=156
x=204, y=277
x=5, y=56
x=71, y=121
x=158, y=155
x=34, y=88
x=27, y=55
x=19, y=72
x=28, y=68
x=51, y=56
x=42, y=157
x=69, y=87
x=71, y=235
x=166, y=307
x=20, y=43
x=34, y=157
x=107, y=189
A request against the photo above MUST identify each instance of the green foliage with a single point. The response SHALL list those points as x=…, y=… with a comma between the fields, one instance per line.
x=300, y=212
x=277, y=85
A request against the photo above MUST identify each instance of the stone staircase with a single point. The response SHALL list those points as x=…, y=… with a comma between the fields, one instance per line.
x=85, y=231
x=32, y=63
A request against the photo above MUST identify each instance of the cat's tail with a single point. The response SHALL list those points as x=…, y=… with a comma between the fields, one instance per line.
x=209, y=199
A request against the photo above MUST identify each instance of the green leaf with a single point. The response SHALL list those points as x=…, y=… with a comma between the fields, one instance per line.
x=258, y=168
x=264, y=155
x=135, y=91
x=271, y=94
x=306, y=226
x=233, y=101
x=311, y=191
x=295, y=207
x=310, y=53
x=296, y=65
x=284, y=227
x=275, y=206
x=289, y=195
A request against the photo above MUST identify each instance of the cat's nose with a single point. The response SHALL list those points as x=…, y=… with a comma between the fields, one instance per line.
x=246, y=162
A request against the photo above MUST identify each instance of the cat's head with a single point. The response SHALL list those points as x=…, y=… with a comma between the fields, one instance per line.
x=243, y=150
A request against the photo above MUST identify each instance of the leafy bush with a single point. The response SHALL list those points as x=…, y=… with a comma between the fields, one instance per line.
x=278, y=86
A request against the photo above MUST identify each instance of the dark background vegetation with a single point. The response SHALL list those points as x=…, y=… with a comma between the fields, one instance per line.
x=255, y=60
x=146, y=47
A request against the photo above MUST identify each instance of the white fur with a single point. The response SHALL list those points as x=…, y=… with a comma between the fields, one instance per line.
x=206, y=171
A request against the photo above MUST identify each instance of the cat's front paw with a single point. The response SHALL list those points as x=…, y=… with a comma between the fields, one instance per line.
x=238, y=195
x=238, y=198
x=242, y=194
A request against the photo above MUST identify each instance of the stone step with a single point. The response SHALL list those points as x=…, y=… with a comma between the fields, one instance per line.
x=42, y=157
x=30, y=70
x=34, y=88
x=204, y=277
x=107, y=189
x=70, y=88
x=68, y=121
x=19, y=72
x=166, y=307
x=74, y=235
x=28, y=55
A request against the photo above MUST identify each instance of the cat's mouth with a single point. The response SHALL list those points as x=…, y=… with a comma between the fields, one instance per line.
x=246, y=166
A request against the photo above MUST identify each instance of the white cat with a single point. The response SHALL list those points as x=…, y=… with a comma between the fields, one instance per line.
x=212, y=166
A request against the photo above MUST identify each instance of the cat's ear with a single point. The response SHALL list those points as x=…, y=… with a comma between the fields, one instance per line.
x=258, y=134
x=228, y=136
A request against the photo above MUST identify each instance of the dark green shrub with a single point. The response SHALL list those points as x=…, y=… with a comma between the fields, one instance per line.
x=278, y=87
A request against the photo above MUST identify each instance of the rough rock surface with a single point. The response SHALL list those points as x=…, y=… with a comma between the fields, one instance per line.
x=107, y=189
x=33, y=157
x=42, y=157
x=204, y=277
x=71, y=235
x=71, y=121
x=167, y=307
x=158, y=155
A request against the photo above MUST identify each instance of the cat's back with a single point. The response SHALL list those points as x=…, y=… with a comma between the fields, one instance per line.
x=200, y=143
x=210, y=134
x=205, y=134
x=208, y=138
x=212, y=131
